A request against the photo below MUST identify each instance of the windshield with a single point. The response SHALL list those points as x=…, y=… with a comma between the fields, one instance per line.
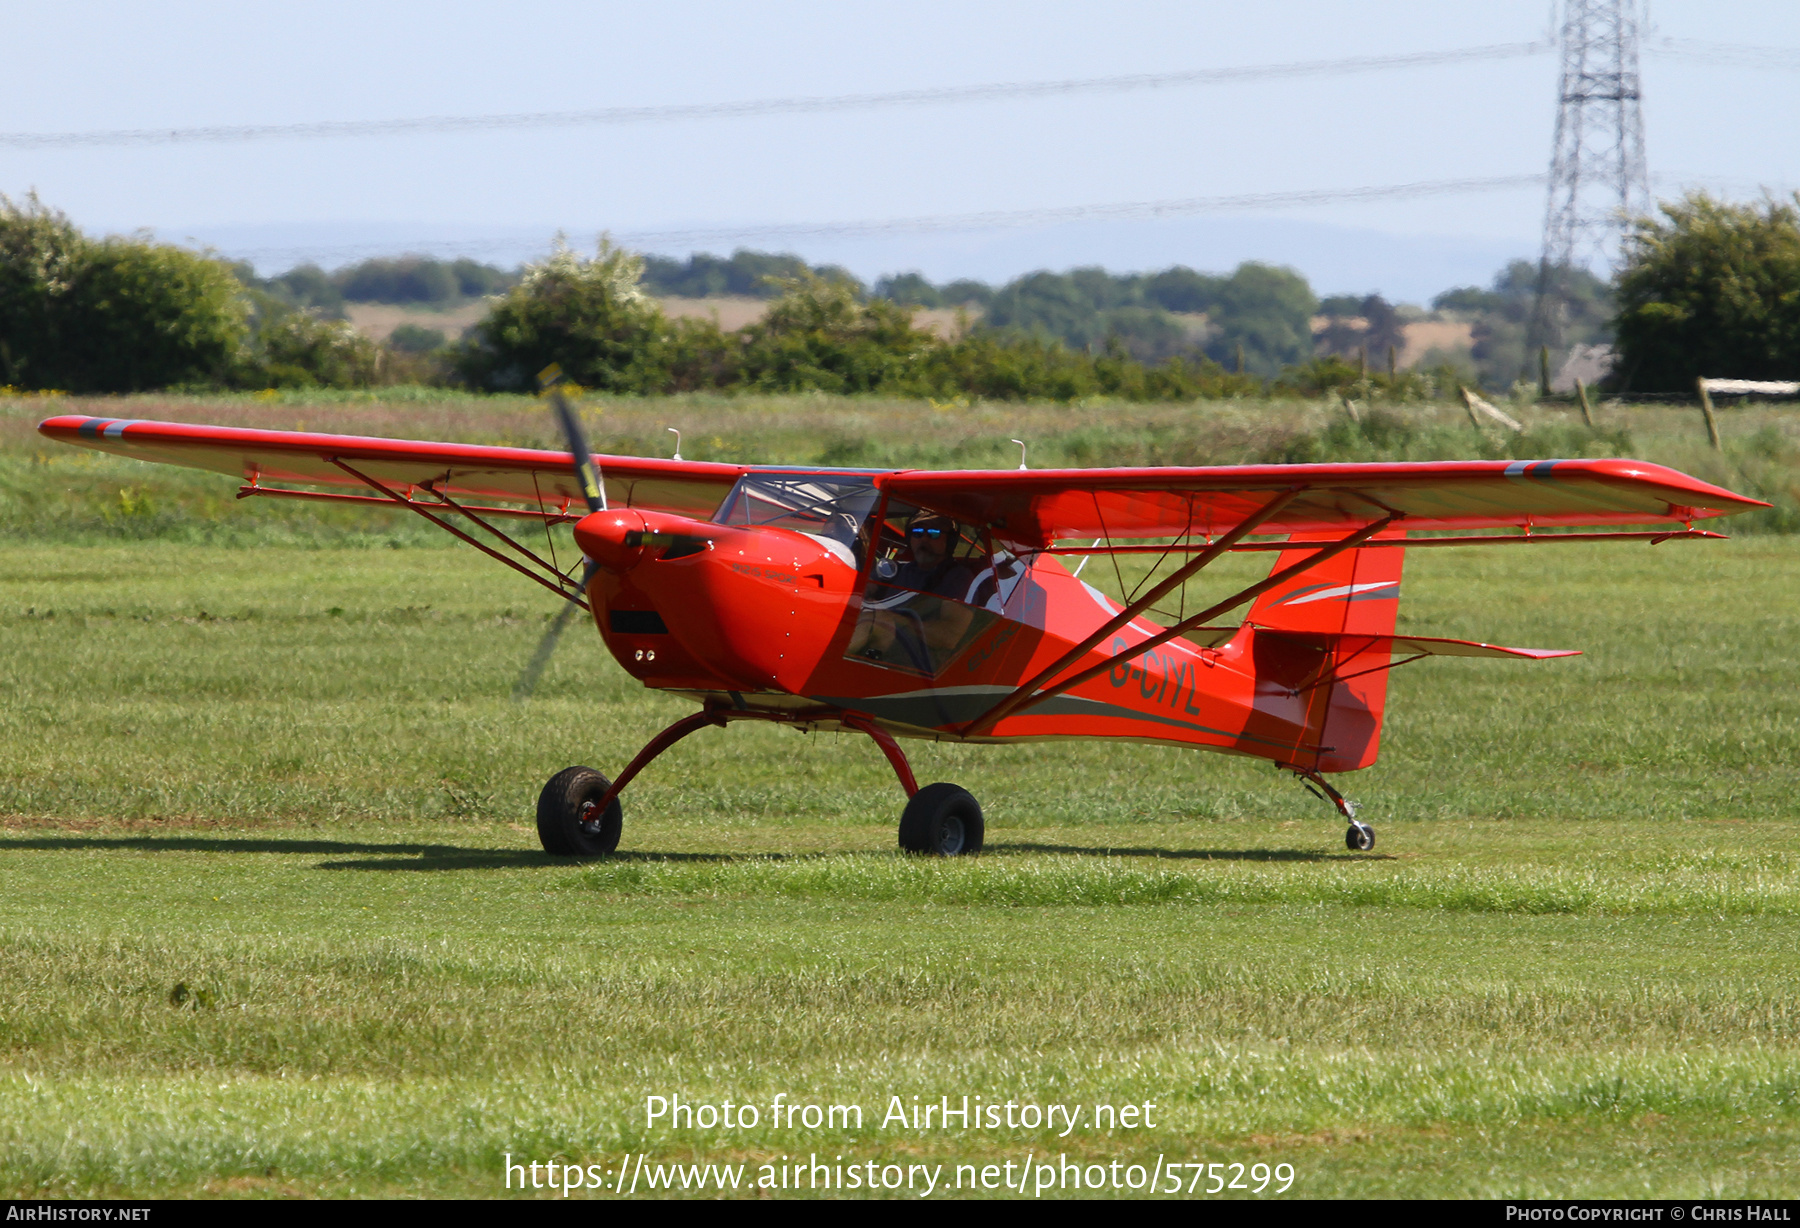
x=832, y=507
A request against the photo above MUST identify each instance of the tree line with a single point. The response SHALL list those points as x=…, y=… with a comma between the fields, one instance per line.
x=1708, y=287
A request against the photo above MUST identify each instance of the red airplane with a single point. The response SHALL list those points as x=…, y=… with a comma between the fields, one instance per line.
x=914, y=604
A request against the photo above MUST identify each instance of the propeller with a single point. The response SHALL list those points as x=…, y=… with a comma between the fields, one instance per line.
x=587, y=475
x=534, y=669
x=593, y=490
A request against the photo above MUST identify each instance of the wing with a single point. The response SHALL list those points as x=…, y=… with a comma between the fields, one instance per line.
x=510, y=475
x=1034, y=508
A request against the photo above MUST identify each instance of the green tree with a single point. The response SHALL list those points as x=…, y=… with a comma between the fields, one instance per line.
x=40, y=258
x=746, y=273
x=1379, y=327
x=587, y=315
x=406, y=279
x=150, y=315
x=1180, y=289
x=818, y=335
x=909, y=290
x=117, y=315
x=1266, y=310
x=416, y=339
x=1711, y=288
x=477, y=280
x=304, y=285
x=1500, y=317
x=303, y=350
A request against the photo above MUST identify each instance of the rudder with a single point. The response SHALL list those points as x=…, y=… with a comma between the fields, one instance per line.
x=1315, y=667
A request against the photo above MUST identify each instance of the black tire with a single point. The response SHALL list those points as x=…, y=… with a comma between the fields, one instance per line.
x=942, y=821
x=1359, y=838
x=566, y=822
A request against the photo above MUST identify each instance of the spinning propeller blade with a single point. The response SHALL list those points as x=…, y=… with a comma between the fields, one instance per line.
x=540, y=659
x=587, y=476
x=586, y=473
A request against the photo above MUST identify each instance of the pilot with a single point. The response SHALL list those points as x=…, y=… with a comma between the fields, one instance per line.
x=920, y=585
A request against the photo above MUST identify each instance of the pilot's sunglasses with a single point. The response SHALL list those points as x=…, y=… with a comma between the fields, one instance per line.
x=921, y=531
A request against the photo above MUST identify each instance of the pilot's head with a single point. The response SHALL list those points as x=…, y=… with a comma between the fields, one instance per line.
x=930, y=536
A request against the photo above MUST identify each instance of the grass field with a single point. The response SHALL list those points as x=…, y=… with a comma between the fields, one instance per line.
x=275, y=922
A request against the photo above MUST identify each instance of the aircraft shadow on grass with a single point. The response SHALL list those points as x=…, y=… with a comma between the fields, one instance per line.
x=1076, y=850
x=415, y=857
x=400, y=856
x=449, y=857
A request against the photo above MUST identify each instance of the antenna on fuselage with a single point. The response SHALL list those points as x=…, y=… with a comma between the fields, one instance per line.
x=1021, y=444
x=677, y=435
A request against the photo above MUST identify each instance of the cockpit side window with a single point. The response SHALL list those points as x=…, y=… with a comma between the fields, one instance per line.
x=931, y=591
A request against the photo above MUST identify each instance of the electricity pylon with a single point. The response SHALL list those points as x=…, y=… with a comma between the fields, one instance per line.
x=1598, y=178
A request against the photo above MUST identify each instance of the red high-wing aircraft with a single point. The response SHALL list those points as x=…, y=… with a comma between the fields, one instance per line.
x=911, y=604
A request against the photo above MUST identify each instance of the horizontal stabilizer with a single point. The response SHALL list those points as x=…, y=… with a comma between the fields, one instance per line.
x=1419, y=645
x=1396, y=645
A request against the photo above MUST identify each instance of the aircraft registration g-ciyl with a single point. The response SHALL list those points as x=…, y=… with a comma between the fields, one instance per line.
x=916, y=604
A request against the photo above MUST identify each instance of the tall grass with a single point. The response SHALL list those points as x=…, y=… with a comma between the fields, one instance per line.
x=52, y=491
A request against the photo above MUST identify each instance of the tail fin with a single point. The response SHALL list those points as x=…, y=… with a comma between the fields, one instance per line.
x=1317, y=676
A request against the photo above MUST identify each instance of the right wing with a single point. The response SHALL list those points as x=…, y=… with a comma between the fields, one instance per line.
x=511, y=475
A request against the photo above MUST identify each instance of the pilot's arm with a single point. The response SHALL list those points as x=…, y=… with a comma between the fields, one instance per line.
x=947, y=624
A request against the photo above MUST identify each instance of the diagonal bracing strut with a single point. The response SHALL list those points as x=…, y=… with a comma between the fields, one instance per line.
x=1328, y=550
x=1006, y=707
x=455, y=532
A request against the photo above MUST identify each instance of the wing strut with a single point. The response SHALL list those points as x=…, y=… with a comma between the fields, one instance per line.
x=1022, y=698
x=559, y=589
x=1182, y=574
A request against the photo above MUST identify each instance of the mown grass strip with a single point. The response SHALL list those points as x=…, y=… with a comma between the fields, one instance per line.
x=996, y=880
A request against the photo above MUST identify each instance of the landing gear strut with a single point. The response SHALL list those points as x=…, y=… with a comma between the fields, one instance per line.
x=1359, y=837
x=579, y=814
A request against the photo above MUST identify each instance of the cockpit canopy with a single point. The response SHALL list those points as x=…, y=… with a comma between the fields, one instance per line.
x=828, y=507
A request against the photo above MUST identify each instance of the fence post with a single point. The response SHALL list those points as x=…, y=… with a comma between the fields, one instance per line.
x=1469, y=404
x=1587, y=411
x=1706, y=407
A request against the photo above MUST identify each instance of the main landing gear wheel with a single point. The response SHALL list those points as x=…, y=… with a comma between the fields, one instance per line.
x=942, y=821
x=1359, y=837
x=570, y=822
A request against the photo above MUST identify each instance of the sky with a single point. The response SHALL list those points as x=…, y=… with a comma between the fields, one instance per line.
x=675, y=186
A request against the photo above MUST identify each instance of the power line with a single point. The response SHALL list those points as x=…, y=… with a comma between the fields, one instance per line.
x=1005, y=218
x=988, y=220
x=1740, y=55
x=749, y=108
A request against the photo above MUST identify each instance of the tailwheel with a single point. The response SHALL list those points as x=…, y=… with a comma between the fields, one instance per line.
x=942, y=821
x=1359, y=837
x=570, y=822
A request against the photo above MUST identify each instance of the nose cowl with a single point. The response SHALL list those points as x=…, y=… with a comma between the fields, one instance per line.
x=613, y=539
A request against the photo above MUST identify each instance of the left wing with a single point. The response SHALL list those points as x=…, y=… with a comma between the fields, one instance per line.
x=1033, y=508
